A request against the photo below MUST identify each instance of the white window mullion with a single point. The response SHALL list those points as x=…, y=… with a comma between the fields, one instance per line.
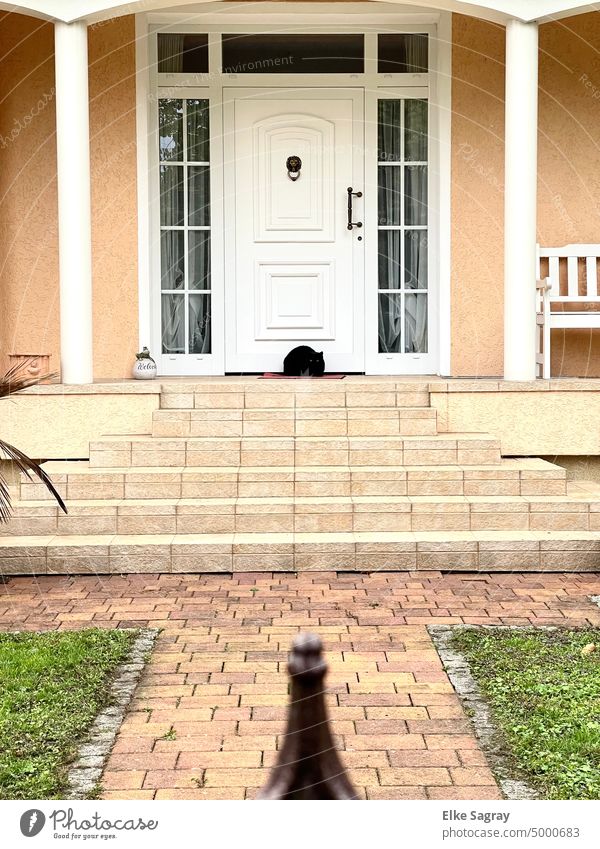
x=402, y=230
x=186, y=177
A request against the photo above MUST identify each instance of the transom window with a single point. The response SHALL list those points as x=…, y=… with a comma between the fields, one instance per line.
x=180, y=53
x=402, y=53
x=293, y=53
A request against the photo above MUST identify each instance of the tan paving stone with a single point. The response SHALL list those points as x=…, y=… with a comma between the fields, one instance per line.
x=123, y=780
x=454, y=792
x=419, y=776
x=131, y=794
x=471, y=776
x=234, y=778
x=217, y=674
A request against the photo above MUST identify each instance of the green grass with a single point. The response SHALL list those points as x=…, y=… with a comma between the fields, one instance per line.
x=52, y=685
x=545, y=698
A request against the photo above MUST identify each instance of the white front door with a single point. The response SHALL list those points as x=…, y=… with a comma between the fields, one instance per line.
x=294, y=270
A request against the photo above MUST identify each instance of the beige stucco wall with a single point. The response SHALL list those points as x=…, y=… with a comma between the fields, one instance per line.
x=28, y=227
x=114, y=196
x=29, y=305
x=529, y=419
x=568, y=186
x=477, y=197
x=53, y=425
x=53, y=422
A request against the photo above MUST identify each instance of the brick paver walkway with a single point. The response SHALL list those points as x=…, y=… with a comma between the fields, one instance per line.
x=209, y=712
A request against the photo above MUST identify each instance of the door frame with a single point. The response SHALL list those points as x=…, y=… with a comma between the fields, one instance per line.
x=368, y=18
x=294, y=92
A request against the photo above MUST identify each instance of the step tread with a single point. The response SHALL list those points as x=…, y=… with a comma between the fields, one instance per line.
x=443, y=538
x=70, y=467
x=189, y=411
x=570, y=498
x=237, y=383
x=439, y=437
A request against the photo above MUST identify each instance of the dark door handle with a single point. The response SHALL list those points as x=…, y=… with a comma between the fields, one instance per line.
x=352, y=194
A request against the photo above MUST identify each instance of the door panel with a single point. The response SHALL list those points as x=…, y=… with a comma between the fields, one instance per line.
x=295, y=299
x=298, y=210
x=295, y=272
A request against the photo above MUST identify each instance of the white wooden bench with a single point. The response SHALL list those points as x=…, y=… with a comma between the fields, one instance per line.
x=566, y=277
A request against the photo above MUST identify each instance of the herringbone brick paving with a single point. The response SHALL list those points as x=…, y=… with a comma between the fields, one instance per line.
x=209, y=713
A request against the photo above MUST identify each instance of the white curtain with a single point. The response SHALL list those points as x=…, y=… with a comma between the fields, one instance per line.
x=415, y=309
x=171, y=259
x=416, y=53
x=390, y=324
x=389, y=259
x=173, y=324
x=170, y=53
x=415, y=259
x=198, y=196
x=415, y=195
x=199, y=306
x=389, y=131
x=199, y=259
x=171, y=195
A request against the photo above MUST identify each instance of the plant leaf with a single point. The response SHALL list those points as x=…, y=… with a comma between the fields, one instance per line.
x=5, y=505
x=26, y=465
x=16, y=379
x=13, y=381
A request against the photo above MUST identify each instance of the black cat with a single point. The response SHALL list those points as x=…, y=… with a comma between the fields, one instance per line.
x=304, y=362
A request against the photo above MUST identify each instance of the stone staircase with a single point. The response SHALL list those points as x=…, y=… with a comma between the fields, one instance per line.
x=249, y=474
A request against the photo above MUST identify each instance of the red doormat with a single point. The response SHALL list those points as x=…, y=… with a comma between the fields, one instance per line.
x=270, y=375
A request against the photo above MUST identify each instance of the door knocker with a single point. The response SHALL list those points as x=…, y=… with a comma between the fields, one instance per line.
x=293, y=165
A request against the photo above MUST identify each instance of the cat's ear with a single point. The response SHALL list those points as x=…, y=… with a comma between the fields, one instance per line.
x=320, y=353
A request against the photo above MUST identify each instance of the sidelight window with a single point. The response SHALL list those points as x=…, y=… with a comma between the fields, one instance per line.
x=402, y=226
x=184, y=169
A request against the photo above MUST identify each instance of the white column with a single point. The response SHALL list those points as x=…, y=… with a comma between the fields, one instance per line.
x=74, y=211
x=520, y=200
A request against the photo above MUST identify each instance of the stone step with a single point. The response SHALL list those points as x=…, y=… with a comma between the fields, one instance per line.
x=260, y=394
x=511, y=477
x=301, y=421
x=561, y=551
x=143, y=450
x=307, y=515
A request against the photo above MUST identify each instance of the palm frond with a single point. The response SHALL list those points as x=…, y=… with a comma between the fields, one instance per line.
x=5, y=505
x=27, y=465
x=16, y=379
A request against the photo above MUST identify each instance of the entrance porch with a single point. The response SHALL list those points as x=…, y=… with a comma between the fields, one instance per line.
x=211, y=212
x=444, y=134
x=361, y=474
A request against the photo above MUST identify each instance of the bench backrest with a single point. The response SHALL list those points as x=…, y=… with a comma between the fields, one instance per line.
x=573, y=272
